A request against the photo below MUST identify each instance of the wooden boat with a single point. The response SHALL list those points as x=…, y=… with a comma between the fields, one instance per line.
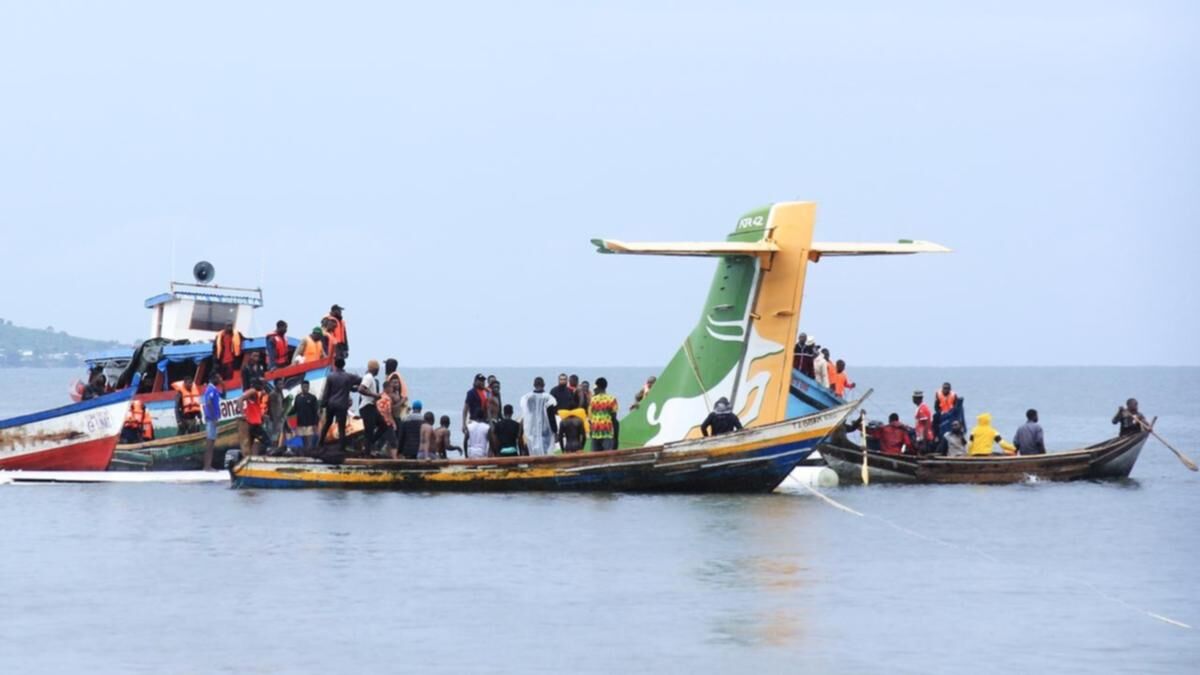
x=751, y=460
x=76, y=437
x=1110, y=459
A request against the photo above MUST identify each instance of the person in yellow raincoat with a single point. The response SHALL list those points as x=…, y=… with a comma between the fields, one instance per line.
x=984, y=436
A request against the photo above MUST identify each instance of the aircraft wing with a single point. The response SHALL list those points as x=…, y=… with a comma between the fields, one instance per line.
x=687, y=248
x=902, y=247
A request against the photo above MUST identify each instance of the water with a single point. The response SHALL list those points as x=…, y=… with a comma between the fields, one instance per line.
x=1024, y=578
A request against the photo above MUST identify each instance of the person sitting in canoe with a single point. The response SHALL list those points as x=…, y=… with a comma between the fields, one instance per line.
x=954, y=442
x=722, y=419
x=984, y=437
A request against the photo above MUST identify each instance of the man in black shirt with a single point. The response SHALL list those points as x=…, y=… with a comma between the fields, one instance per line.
x=506, y=435
x=564, y=395
x=721, y=420
x=307, y=416
x=336, y=400
x=1131, y=421
x=409, y=432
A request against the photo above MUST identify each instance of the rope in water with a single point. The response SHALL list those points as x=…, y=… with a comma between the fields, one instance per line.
x=983, y=554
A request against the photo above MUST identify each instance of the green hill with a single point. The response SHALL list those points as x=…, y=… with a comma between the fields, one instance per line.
x=21, y=346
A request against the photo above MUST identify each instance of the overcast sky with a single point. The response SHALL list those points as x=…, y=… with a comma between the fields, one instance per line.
x=438, y=168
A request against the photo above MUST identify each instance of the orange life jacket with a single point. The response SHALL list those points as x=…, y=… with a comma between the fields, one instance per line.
x=312, y=349
x=139, y=418
x=838, y=382
x=256, y=403
x=280, y=345
x=946, y=403
x=234, y=346
x=403, y=385
x=189, y=397
x=338, y=335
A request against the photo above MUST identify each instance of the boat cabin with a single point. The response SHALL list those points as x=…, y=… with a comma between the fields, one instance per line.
x=197, y=312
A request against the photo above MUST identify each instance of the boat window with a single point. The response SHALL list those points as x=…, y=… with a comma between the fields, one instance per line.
x=212, y=316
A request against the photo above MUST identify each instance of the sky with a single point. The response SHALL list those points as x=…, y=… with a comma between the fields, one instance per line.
x=439, y=169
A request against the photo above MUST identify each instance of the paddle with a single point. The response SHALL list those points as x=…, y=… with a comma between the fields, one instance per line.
x=1182, y=457
x=866, y=474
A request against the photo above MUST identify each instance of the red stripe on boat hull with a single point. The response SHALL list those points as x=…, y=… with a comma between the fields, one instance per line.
x=87, y=456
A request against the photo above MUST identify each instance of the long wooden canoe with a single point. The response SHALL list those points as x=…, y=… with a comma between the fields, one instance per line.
x=752, y=460
x=1113, y=458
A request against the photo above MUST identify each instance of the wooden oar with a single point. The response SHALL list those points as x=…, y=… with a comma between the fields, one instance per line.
x=1182, y=457
x=866, y=473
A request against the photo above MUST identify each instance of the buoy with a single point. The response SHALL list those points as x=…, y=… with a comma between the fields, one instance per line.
x=813, y=476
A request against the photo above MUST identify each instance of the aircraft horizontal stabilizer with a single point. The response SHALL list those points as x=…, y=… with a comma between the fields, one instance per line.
x=902, y=247
x=687, y=248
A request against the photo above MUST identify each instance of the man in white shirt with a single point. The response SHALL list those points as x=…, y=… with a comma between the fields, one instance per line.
x=538, y=419
x=368, y=395
x=478, y=435
x=821, y=367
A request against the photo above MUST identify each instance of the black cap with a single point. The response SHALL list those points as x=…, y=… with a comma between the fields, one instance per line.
x=336, y=308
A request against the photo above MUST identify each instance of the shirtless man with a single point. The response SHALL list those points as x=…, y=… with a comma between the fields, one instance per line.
x=441, y=438
x=427, y=440
x=571, y=435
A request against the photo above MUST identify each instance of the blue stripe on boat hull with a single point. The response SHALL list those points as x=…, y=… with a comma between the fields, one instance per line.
x=759, y=472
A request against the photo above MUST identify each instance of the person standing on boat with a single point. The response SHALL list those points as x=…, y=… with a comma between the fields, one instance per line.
x=476, y=401
x=308, y=414
x=137, y=427
x=187, y=406
x=585, y=394
x=1131, y=421
x=335, y=399
x=495, y=405
x=954, y=442
x=602, y=417
x=839, y=382
x=821, y=367
x=722, y=419
x=538, y=419
x=643, y=392
x=1029, y=439
x=506, y=434
x=984, y=437
x=212, y=417
x=924, y=423
x=339, y=344
x=948, y=407
x=311, y=348
x=572, y=434
x=806, y=353
x=254, y=400
x=277, y=347
x=565, y=396
x=400, y=398
x=410, y=432
x=387, y=422
x=441, y=439
x=425, y=449
x=368, y=395
x=227, y=351
x=478, y=433
x=252, y=369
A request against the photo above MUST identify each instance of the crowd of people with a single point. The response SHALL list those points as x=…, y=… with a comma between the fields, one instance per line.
x=816, y=362
x=941, y=430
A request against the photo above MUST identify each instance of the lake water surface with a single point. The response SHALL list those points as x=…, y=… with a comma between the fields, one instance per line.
x=1079, y=577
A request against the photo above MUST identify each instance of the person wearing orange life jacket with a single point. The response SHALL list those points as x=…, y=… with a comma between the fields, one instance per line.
x=839, y=382
x=335, y=328
x=947, y=409
x=277, y=347
x=187, y=406
x=227, y=350
x=311, y=347
x=255, y=401
x=137, y=426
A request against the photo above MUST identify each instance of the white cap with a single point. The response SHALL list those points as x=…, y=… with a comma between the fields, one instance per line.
x=811, y=340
